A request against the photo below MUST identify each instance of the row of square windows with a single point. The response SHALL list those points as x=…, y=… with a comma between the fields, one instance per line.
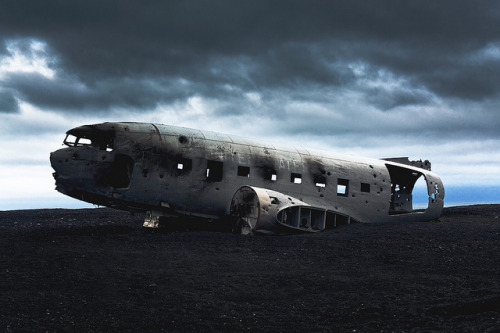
x=214, y=173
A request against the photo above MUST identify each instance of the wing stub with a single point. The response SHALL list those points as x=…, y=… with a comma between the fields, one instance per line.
x=259, y=210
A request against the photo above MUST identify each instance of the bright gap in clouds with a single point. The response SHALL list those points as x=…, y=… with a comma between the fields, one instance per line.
x=27, y=56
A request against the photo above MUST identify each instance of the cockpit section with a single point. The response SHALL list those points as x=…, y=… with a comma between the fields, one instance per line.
x=91, y=162
x=88, y=136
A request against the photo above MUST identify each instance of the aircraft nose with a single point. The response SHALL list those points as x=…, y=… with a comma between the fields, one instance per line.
x=53, y=159
x=64, y=170
x=58, y=159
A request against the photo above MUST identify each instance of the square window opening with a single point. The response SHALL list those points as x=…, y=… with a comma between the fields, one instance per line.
x=320, y=181
x=342, y=187
x=365, y=187
x=270, y=174
x=214, y=171
x=184, y=165
x=296, y=178
x=243, y=171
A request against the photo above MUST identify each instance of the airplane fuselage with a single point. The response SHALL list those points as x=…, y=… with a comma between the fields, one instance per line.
x=168, y=169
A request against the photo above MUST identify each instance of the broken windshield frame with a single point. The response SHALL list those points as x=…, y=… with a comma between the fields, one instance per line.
x=76, y=141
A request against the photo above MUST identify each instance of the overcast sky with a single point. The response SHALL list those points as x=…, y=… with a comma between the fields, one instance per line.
x=372, y=78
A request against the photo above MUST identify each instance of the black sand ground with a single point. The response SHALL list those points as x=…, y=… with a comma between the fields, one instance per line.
x=97, y=270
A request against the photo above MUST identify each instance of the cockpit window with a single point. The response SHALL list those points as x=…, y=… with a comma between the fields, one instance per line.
x=74, y=141
x=84, y=142
x=100, y=142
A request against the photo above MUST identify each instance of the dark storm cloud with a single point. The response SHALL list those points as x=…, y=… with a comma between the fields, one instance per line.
x=8, y=103
x=131, y=53
x=68, y=93
x=387, y=100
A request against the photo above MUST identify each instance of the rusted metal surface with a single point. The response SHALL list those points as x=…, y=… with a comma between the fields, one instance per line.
x=168, y=170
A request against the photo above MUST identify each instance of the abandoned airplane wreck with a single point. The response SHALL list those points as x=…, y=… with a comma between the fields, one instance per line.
x=171, y=171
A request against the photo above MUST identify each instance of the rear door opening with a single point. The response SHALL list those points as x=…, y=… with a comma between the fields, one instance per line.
x=403, y=182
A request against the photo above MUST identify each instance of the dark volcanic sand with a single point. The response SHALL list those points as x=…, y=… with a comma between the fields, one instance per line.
x=99, y=270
